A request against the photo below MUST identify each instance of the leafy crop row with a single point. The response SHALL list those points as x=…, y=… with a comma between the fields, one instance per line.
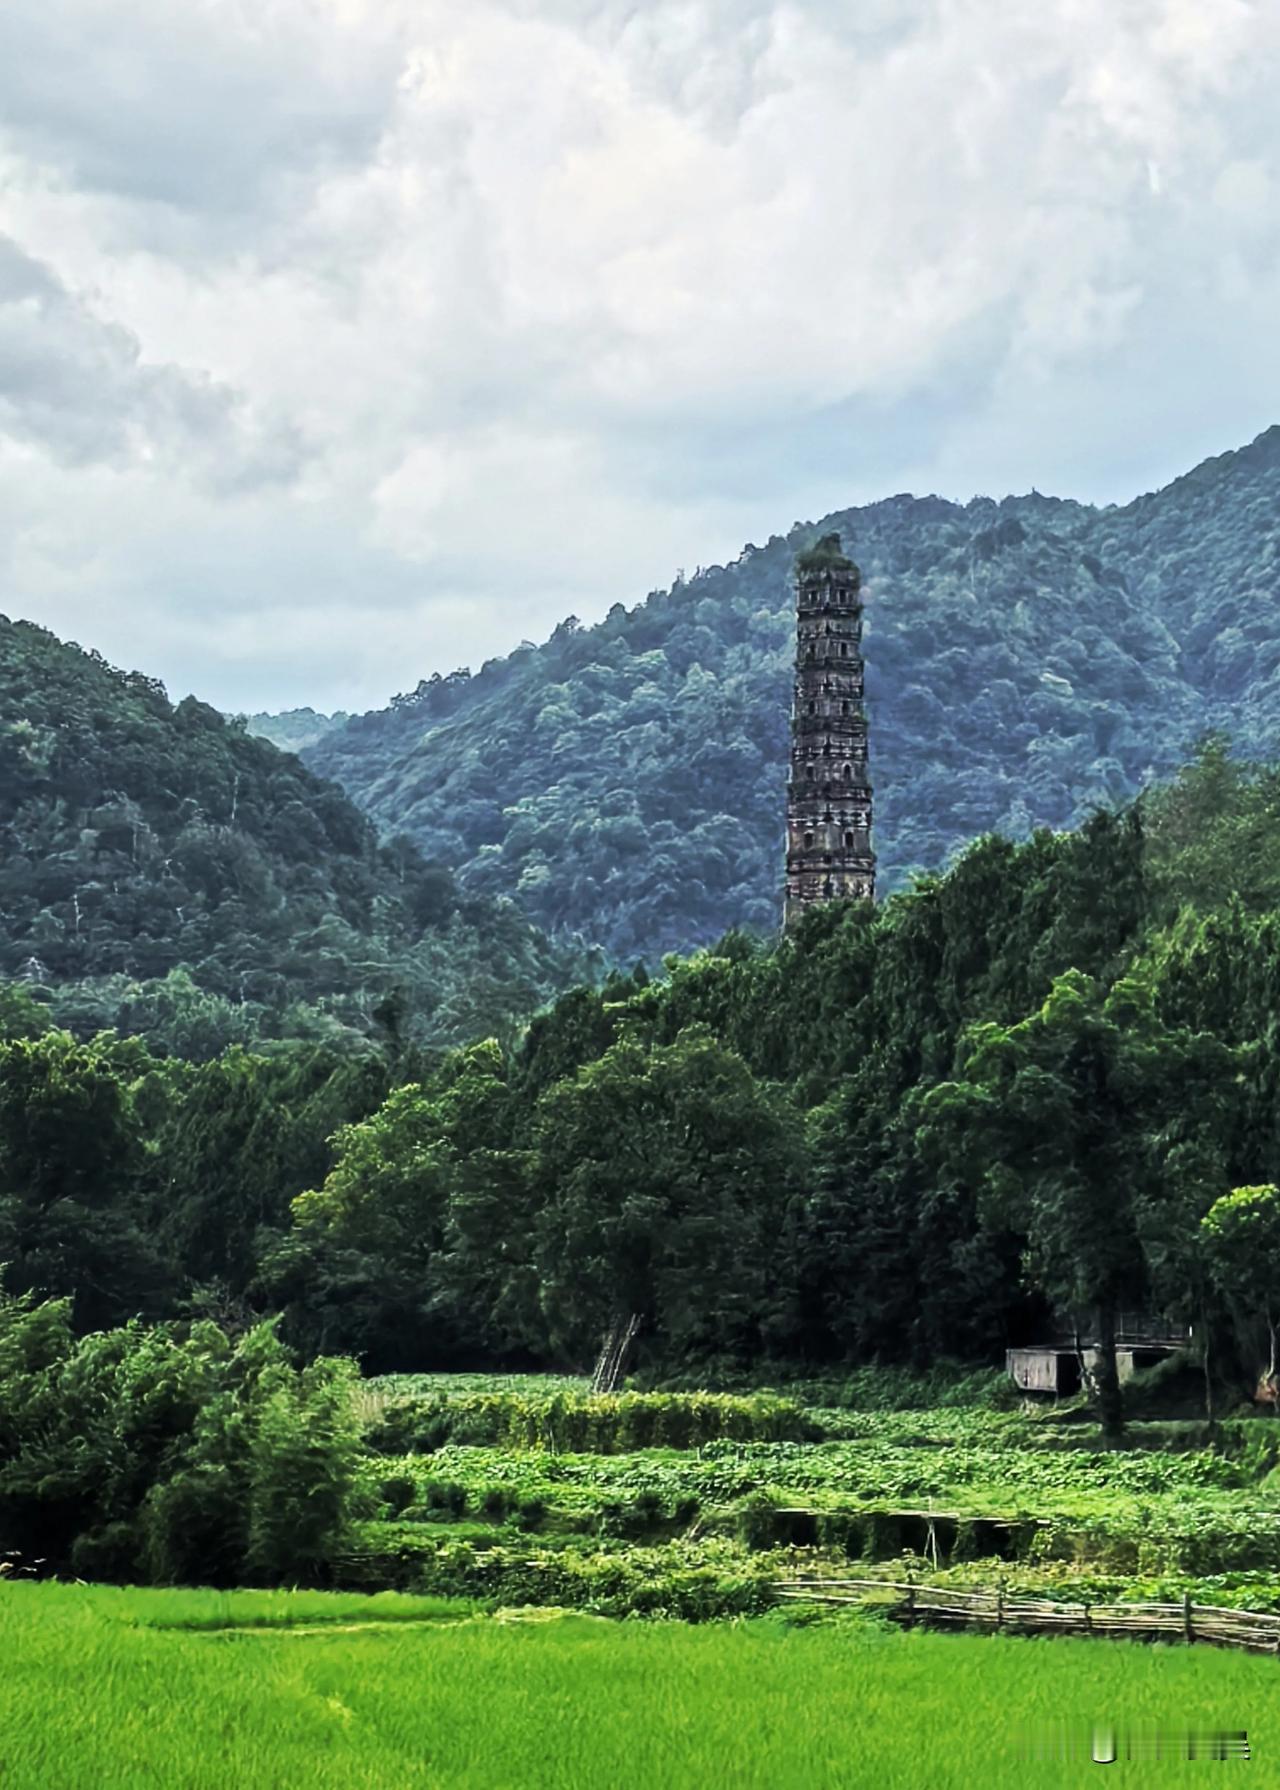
x=576, y=1424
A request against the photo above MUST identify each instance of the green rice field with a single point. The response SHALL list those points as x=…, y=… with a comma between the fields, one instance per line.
x=192, y=1690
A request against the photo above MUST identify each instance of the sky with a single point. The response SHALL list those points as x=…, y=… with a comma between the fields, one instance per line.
x=345, y=341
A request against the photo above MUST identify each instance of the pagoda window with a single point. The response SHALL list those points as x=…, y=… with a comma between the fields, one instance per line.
x=808, y=841
x=847, y=773
x=848, y=841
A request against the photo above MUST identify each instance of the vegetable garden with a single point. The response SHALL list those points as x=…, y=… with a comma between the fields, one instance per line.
x=695, y=1505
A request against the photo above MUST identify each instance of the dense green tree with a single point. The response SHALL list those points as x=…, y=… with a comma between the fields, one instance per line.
x=897, y=1133
x=242, y=1138
x=1068, y=1118
x=1242, y=1243
x=21, y=1015
x=665, y=1181
x=170, y=1454
x=1216, y=824
x=366, y=1262
x=70, y=1165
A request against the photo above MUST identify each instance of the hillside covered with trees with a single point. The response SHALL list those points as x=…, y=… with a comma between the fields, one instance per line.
x=1026, y=660
x=897, y=1135
x=167, y=873
x=294, y=729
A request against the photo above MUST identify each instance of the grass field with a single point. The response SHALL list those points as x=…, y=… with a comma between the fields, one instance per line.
x=514, y=1491
x=104, y=1689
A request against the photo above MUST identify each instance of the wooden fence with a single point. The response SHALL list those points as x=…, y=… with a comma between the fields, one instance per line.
x=936, y=1606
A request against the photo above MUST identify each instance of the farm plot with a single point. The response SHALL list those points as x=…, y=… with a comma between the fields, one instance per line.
x=532, y=1510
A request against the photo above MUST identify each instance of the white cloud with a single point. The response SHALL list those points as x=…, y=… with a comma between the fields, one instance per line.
x=77, y=387
x=561, y=293
x=203, y=107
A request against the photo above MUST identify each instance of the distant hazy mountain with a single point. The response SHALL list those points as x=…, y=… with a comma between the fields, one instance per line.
x=1026, y=659
x=139, y=837
x=293, y=729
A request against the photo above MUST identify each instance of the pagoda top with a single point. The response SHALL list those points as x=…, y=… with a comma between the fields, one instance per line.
x=827, y=559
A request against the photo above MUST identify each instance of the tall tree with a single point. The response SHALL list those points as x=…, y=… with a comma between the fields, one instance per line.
x=664, y=1184
x=1068, y=1120
x=1242, y=1242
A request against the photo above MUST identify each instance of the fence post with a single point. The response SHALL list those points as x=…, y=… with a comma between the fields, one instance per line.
x=1188, y=1630
x=1000, y=1608
x=1088, y=1621
x=911, y=1594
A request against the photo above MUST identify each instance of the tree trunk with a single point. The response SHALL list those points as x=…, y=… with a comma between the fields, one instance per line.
x=1106, y=1376
x=1209, y=1412
x=614, y=1354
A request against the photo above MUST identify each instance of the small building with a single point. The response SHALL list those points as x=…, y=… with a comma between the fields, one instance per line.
x=1053, y=1366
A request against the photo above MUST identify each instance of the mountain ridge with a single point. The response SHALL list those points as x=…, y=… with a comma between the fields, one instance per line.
x=1028, y=658
x=145, y=839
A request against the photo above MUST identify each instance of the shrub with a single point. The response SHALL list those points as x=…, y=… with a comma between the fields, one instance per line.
x=1251, y=1445
x=302, y=1460
x=648, y=1509
x=581, y=1424
x=632, y=1519
x=756, y=1519
x=531, y=1513
x=838, y=1529
x=172, y=1454
x=881, y=1535
x=410, y=1426
x=613, y=1517
x=445, y=1497
x=398, y=1492
x=644, y=1581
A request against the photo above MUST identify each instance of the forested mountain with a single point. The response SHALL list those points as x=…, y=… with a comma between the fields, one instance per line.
x=164, y=871
x=293, y=729
x=1026, y=660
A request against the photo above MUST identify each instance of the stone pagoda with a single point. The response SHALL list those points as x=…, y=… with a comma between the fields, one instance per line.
x=829, y=856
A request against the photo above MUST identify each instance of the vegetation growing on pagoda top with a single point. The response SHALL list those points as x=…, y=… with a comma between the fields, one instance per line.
x=826, y=555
